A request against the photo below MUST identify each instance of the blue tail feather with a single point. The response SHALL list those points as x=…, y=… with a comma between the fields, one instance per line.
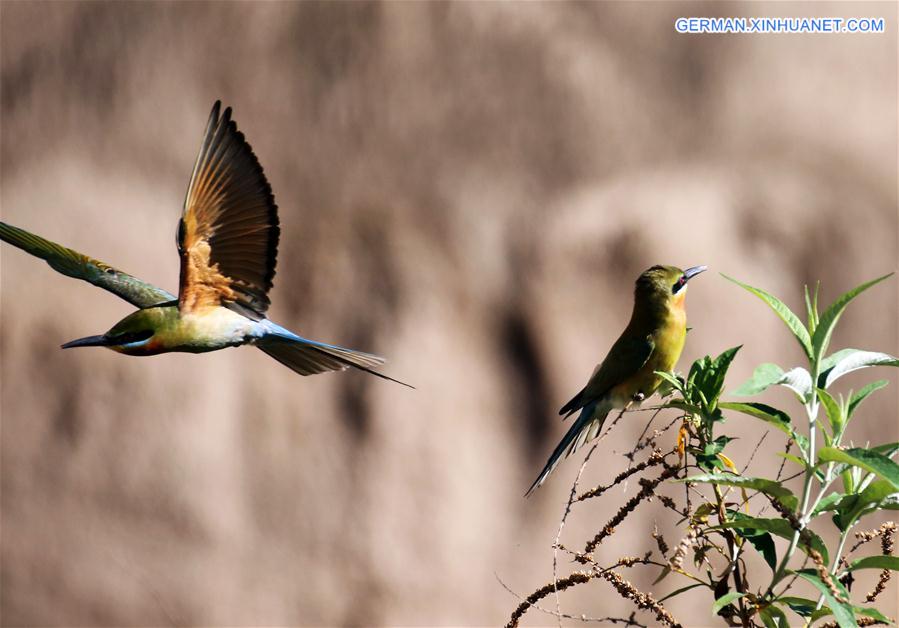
x=308, y=357
x=581, y=431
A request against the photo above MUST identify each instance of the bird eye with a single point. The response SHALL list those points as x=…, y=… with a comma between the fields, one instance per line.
x=679, y=284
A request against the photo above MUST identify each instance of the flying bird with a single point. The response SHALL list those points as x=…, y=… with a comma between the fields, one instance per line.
x=652, y=341
x=227, y=242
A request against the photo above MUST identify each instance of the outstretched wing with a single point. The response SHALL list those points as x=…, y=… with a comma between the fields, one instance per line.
x=228, y=234
x=74, y=264
x=626, y=357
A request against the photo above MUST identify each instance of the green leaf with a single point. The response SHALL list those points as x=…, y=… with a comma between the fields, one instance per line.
x=671, y=380
x=707, y=375
x=769, y=487
x=764, y=376
x=811, y=308
x=786, y=315
x=777, y=527
x=824, y=611
x=716, y=446
x=799, y=605
x=724, y=600
x=799, y=381
x=866, y=459
x=856, y=399
x=793, y=458
x=679, y=404
x=768, y=414
x=883, y=561
x=872, y=612
x=665, y=571
x=681, y=590
x=764, y=545
x=848, y=480
x=843, y=613
x=851, y=507
x=828, y=363
x=833, y=410
x=887, y=449
x=852, y=360
x=876, y=491
x=828, y=503
x=761, y=541
x=773, y=617
x=831, y=315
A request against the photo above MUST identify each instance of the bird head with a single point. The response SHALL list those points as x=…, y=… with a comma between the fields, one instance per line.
x=133, y=335
x=664, y=285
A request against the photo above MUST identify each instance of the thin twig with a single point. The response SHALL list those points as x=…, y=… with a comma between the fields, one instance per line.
x=557, y=542
x=752, y=455
x=649, y=441
x=645, y=429
x=644, y=601
x=783, y=461
x=656, y=458
x=646, y=491
x=584, y=618
x=578, y=577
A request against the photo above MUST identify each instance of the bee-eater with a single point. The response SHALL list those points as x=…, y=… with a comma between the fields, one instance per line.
x=652, y=341
x=227, y=240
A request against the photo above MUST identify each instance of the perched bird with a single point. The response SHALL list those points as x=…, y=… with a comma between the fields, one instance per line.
x=652, y=341
x=227, y=240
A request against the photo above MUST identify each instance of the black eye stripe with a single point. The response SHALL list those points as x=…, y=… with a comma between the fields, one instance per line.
x=133, y=336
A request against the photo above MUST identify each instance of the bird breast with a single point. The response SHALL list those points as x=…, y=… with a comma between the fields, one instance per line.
x=213, y=328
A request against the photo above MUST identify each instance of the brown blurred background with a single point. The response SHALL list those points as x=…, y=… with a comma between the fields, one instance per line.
x=469, y=189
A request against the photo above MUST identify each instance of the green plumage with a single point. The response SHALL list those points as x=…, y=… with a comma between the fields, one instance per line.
x=74, y=264
x=652, y=341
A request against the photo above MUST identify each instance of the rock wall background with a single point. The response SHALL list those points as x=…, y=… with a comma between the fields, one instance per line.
x=469, y=189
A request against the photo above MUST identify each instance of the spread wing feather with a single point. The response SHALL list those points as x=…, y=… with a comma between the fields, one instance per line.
x=228, y=234
x=78, y=265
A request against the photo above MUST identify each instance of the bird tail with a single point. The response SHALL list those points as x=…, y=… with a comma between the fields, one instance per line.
x=308, y=357
x=574, y=404
x=585, y=429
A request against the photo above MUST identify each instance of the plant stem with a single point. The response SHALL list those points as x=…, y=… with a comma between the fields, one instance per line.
x=811, y=409
x=836, y=561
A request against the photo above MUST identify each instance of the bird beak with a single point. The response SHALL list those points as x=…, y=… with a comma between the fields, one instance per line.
x=692, y=272
x=90, y=341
